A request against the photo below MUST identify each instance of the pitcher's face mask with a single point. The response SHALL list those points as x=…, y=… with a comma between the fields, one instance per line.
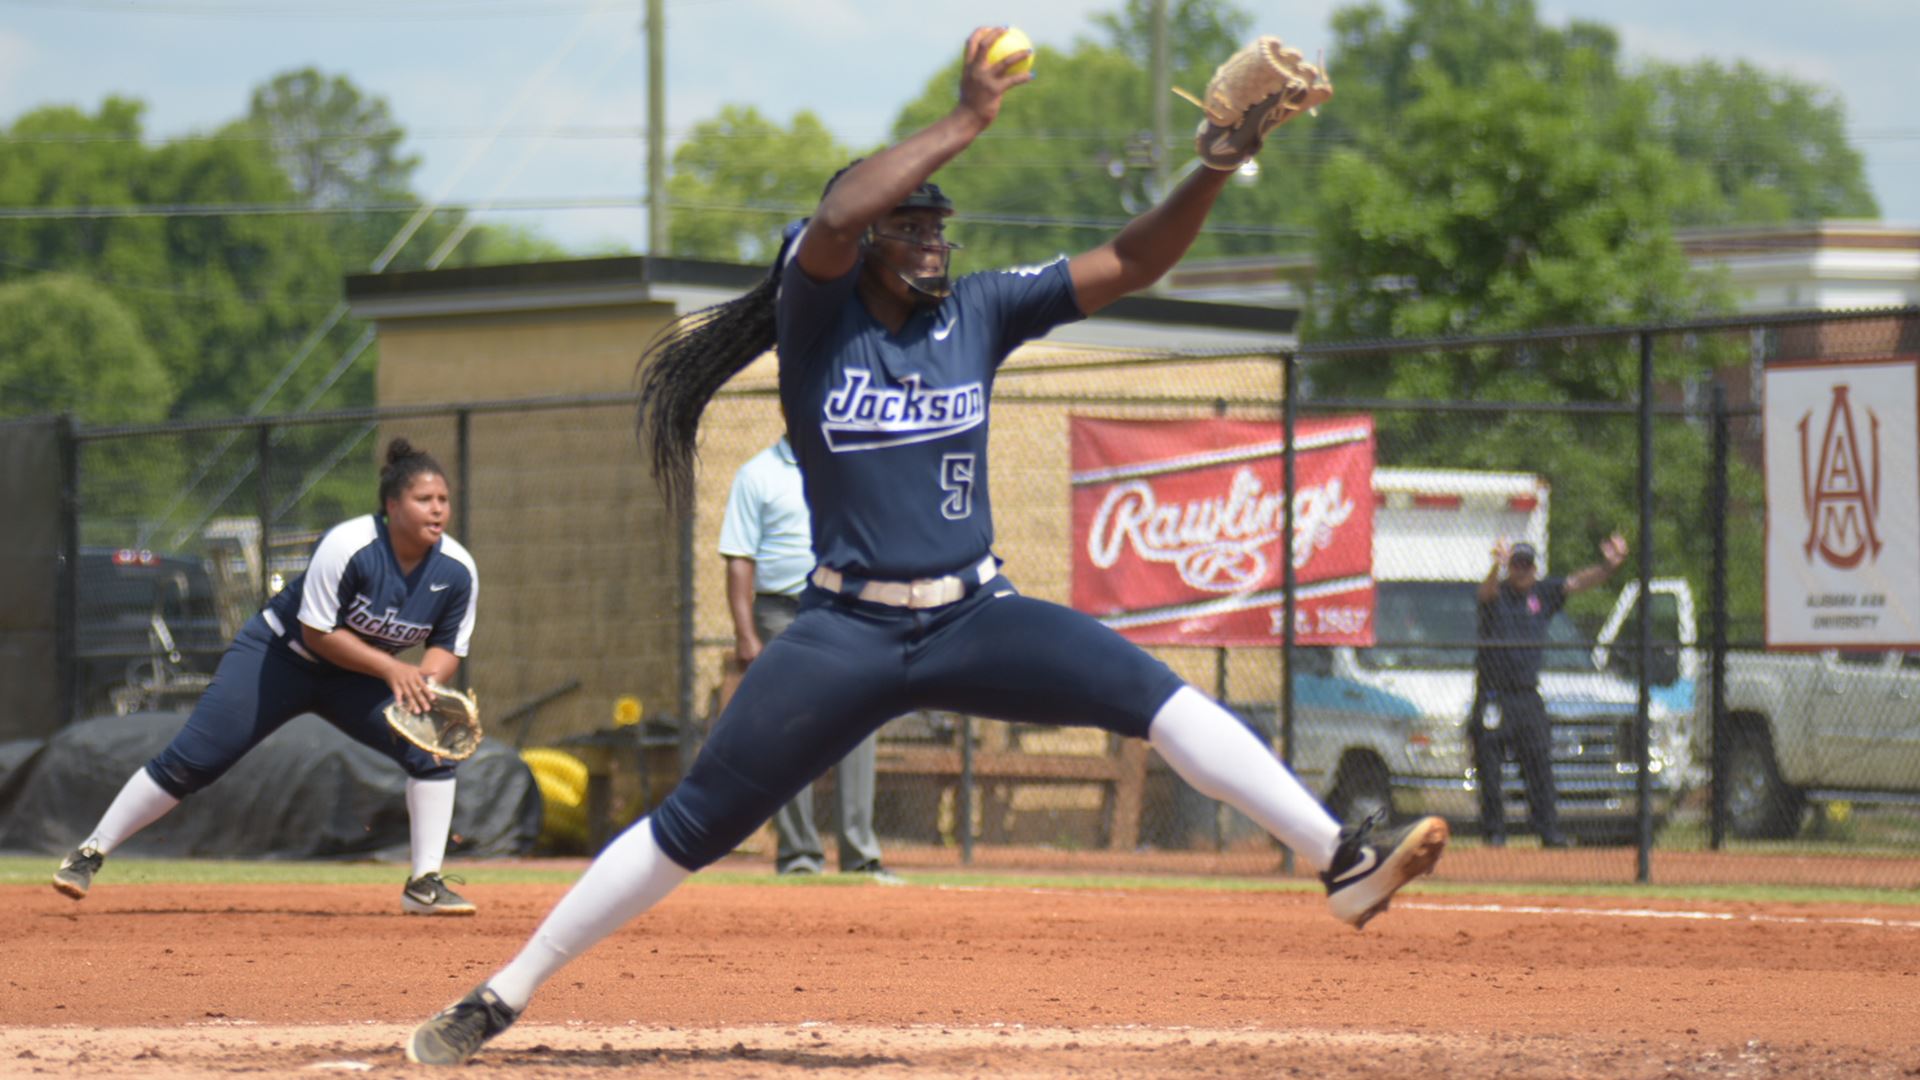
x=913, y=246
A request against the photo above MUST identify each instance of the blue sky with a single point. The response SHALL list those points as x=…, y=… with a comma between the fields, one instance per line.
x=566, y=78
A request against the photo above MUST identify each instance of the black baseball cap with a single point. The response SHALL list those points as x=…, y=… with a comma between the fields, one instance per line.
x=1523, y=554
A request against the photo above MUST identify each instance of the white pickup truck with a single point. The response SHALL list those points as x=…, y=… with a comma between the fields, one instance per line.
x=1829, y=726
x=1386, y=726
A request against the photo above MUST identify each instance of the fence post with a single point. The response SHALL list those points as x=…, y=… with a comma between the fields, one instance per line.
x=67, y=600
x=1642, y=726
x=1717, y=632
x=463, y=480
x=963, y=796
x=263, y=500
x=687, y=748
x=1290, y=379
x=1220, y=690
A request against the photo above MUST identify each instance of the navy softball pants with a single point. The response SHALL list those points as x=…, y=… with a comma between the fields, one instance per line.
x=256, y=689
x=845, y=667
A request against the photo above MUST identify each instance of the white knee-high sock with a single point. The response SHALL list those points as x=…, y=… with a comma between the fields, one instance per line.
x=1223, y=760
x=141, y=802
x=629, y=877
x=429, y=820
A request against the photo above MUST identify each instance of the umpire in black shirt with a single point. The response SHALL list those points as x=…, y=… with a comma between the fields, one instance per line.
x=1516, y=604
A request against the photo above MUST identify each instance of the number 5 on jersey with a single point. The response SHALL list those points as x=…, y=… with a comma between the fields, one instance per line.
x=956, y=479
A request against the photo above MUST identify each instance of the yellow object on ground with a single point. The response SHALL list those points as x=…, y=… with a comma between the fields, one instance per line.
x=562, y=780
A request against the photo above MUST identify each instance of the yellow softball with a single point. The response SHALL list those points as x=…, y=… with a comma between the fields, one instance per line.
x=1006, y=45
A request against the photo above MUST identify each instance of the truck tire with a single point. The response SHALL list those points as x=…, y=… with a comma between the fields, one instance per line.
x=1760, y=803
x=1362, y=788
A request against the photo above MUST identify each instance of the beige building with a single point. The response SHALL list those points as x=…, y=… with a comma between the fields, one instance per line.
x=584, y=575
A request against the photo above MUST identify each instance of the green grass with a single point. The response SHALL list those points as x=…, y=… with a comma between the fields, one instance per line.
x=36, y=869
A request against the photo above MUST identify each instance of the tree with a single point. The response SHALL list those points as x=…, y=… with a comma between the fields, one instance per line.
x=1522, y=183
x=66, y=346
x=220, y=299
x=1071, y=156
x=1776, y=147
x=336, y=145
x=1518, y=203
x=339, y=149
x=740, y=176
x=1381, y=67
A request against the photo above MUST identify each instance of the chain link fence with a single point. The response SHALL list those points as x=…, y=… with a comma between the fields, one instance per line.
x=604, y=632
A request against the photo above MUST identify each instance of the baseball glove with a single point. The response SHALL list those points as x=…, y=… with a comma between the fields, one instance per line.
x=451, y=729
x=1259, y=88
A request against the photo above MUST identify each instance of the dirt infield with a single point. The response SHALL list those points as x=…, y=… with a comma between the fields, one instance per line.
x=824, y=982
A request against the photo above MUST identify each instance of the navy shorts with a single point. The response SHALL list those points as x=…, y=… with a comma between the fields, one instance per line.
x=845, y=667
x=258, y=687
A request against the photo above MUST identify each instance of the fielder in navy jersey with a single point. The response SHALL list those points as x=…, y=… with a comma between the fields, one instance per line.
x=327, y=643
x=886, y=372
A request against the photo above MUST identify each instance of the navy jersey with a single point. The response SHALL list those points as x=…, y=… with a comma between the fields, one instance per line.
x=891, y=428
x=1520, y=619
x=353, y=581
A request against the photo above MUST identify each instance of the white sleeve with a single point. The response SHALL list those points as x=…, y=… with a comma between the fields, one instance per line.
x=463, y=635
x=467, y=620
x=320, y=595
x=740, y=526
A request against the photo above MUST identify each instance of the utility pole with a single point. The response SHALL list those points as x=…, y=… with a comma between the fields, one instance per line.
x=1160, y=93
x=656, y=129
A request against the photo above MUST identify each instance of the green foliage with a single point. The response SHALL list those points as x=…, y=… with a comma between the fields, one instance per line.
x=340, y=148
x=220, y=299
x=1381, y=67
x=740, y=176
x=1776, y=147
x=1075, y=147
x=66, y=346
x=336, y=146
x=1488, y=175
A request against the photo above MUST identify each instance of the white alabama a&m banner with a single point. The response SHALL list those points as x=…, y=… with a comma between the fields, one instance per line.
x=1843, y=504
x=1179, y=532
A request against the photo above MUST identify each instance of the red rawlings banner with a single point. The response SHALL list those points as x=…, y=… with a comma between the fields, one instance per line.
x=1177, y=527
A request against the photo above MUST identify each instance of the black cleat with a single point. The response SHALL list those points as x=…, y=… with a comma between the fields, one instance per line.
x=877, y=872
x=456, y=1033
x=1370, y=866
x=428, y=895
x=75, y=875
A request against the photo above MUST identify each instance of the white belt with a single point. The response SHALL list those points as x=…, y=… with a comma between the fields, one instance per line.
x=280, y=631
x=921, y=593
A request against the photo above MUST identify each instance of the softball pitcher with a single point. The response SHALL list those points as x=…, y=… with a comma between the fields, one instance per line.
x=376, y=585
x=886, y=368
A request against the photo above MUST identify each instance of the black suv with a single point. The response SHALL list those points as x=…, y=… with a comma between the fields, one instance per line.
x=145, y=620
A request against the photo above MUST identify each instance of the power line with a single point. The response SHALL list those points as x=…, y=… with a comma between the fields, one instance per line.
x=75, y=213
x=364, y=9
x=82, y=138
x=1024, y=221
x=359, y=10
x=625, y=132
x=189, y=210
x=126, y=285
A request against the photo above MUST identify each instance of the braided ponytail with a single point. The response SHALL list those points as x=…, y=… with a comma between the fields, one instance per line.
x=683, y=367
x=688, y=362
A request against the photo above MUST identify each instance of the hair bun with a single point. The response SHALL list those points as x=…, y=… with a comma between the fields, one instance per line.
x=399, y=450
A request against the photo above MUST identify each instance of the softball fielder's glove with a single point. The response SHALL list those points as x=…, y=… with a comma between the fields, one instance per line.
x=1259, y=88
x=450, y=729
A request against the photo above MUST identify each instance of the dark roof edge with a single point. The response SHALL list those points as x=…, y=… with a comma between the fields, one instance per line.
x=638, y=269
x=608, y=270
